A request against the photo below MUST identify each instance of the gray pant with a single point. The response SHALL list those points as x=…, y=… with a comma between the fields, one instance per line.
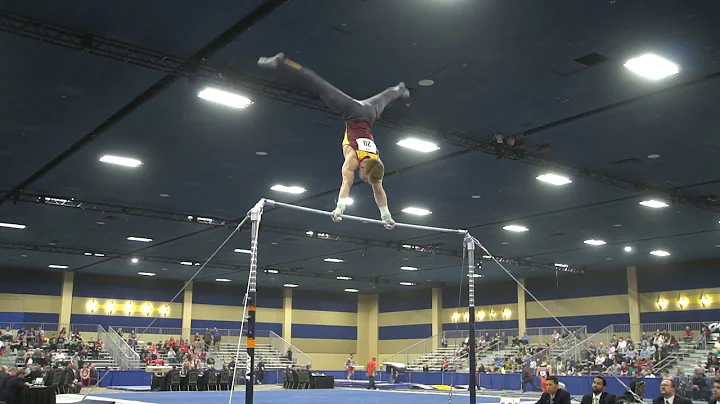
x=349, y=108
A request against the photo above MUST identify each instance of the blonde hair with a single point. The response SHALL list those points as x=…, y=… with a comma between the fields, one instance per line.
x=375, y=170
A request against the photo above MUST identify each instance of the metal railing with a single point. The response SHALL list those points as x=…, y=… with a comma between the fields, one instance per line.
x=510, y=332
x=50, y=328
x=551, y=352
x=121, y=352
x=282, y=346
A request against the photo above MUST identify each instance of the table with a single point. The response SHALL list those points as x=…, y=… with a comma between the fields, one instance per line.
x=37, y=395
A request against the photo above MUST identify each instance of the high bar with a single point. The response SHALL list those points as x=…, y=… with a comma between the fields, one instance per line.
x=271, y=202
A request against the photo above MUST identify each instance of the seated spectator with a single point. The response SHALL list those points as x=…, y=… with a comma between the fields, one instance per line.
x=688, y=336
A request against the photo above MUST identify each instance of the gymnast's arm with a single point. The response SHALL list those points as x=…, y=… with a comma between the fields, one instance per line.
x=348, y=178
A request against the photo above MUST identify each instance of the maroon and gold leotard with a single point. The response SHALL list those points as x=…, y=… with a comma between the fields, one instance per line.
x=360, y=138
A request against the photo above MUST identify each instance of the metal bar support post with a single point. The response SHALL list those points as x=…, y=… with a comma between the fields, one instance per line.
x=472, y=377
x=251, y=298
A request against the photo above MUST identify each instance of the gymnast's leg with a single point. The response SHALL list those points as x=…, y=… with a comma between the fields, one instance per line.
x=349, y=108
x=381, y=100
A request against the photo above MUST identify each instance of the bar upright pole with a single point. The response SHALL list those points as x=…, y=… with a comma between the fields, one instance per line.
x=255, y=216
x=472, y=377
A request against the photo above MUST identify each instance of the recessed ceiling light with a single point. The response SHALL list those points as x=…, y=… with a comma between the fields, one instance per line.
x=418, y=145
x=222, y=280
x=13, y=226
x=333, y=260
x=134, y=260
x=653, y=156
x=627, y=249
x=272, y=271
x=416, y=211
x=140, y=239
x=309, y=232
x=88, y=254
x=146, y=273
x=261, y=153
x=505, y=243
x=225, y=98
x=242, y=251
x=188, y=263
x=561, y=265
x=351, y=290
x=164, y=195
x=475, y=275
x=121, y=161
x=288, y=189
x=290, y=285
x=426, y=82
x=476, y=197
x=595, y=242
x=343, y=278
x=407, y=283
x=660, y=253
x=652, y=203
x=347, y=201
x=58, y=266
x=99, y=255
x=652, y=67
x=408, y=268
x=553, y=179
x=617, y=225
x=515, y=228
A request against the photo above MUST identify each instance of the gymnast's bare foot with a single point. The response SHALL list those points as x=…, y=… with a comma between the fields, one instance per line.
x=404, y=92
x=271, y=62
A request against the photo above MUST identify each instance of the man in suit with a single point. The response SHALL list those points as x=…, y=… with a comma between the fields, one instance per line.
x=11, y=388
x=554, y=394
x=667, y=394
x=599, y=396
x=716, y=393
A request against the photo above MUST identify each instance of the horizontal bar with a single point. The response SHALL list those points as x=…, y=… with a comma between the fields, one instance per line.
x=271, y=202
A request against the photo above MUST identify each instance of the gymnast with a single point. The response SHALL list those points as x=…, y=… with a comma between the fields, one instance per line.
x=359, y=148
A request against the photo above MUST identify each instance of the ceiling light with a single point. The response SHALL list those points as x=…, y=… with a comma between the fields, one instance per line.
x=146, y=273
x=347, y=201
x=261, y=153
x=561, y=265
x=224, y=98
x=554, y=179
x=58, y=266
x=99, y=255
x=222, y=280
x=407, y=283
x=88, y=254
x=417, y=211
x=121, y=161
x=652, y=66
x=627, y=249
x=134, y=260
x=652, y=203
x=515, y=228
x=243, y=251
x=272, y=271
x=289, y=190
x=164, y=195
x=660, y=253
x=343, y=278
x=333, y=260
x=418, y=145
x=476, y=197
x=188, y=263
x=140, y=239
x=290, y=285
x=309, y=233
x=595, y=242
x=653, y=156
x=13, y=226
x=426, y=82
x=352, y=290
x=408, y=268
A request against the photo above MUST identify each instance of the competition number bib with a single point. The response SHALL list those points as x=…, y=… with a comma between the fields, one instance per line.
x=366, y=145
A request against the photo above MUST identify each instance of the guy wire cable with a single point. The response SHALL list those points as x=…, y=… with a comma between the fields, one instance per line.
x=237, y=351
x=457, y=326
x=237, y=228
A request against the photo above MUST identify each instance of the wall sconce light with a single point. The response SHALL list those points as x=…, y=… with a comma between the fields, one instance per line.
x=705, y=300
x=493, y=314
x=662, y=303
x=456, y=317
x=110, y=307
x=91, y=306
x=683, y=302
x=466, y=316
x=147, y=309
x=507, y=313
x=129, y=308
x=164, y=310
x=480, y=315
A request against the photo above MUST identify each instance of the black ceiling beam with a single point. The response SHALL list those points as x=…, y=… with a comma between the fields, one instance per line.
x=8, y=23
x=74, y=203
x=234, y=268
x=194, y=68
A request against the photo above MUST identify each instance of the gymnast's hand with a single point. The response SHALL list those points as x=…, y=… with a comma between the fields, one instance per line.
x=389, y=222
x=337, y=214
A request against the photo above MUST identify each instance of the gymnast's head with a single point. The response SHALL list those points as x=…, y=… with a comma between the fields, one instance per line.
x=372, y=171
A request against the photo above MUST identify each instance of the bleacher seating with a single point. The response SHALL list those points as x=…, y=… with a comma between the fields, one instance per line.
x=225, y=352
x=434, y=359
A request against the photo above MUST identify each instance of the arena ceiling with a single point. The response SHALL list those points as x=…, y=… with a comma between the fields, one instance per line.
x=93, y=79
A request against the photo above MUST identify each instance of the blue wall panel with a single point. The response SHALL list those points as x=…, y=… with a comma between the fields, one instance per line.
x=15, y=317
x=593, y=323
x=126, y=322
x=126, y=288
x=482, y=325
x=569, y=286
x=342, y=302
x=678, y=277
x=233, y=295
x=485, y=294
x=235, y=325
x=712, y=315
x=405, y=301
x=324, y=331
x=47, y=283
x=415, y=331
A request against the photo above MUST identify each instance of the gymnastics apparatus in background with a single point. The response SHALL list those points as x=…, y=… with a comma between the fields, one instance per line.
x=255, y=215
